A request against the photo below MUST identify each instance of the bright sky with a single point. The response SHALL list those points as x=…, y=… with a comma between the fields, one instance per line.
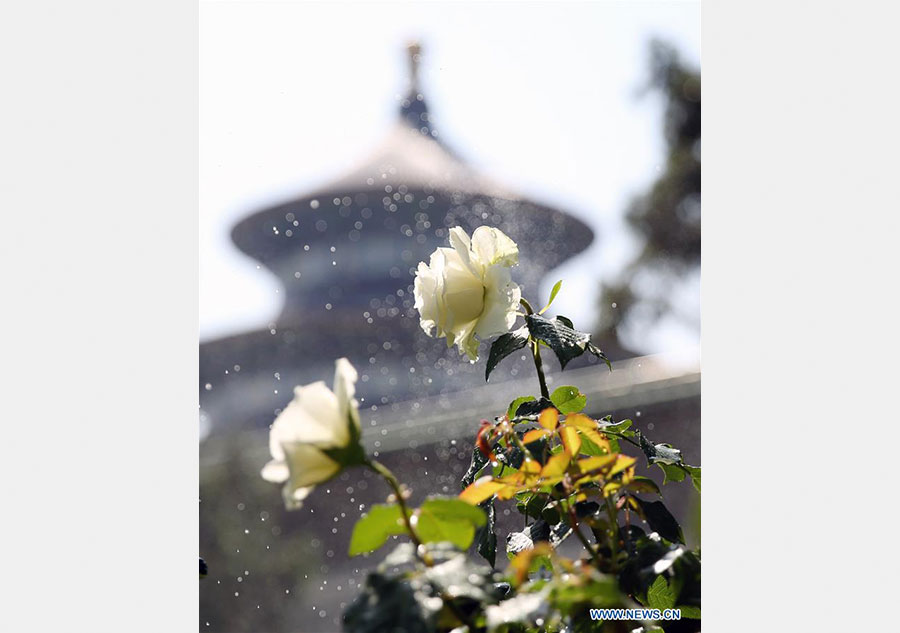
x=540, y=96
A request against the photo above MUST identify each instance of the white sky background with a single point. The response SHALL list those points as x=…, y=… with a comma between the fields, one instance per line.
x=540, y=96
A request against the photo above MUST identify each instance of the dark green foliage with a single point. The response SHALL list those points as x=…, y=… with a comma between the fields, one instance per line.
x=560, y=336
x=659, y=453
x=660, y=520
x=487, y=535
x=478, y=462
x=503, y=346
x=531, y=408
x=391, y=605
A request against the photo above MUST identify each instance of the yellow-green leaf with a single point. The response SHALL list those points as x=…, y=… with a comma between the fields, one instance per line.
x=481, y=489
x=549, y=419
x=571, y=439
x=373, y=529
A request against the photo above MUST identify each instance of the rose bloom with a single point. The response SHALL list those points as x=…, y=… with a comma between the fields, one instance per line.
x=315, y=436
x=467, y=290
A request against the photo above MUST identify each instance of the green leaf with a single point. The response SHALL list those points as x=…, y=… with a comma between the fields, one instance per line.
x=448, y=519
x=692, y=613
x=616, y=427
x=531, y=503
x=660, y=595
x=566, y=342
x=553, y=293
x=568, y=399
x=515, y=404
x=503, y=346
x=694, y=472
x=673, y=472
x=373, y=529
x=589, y=448
x=661, y=520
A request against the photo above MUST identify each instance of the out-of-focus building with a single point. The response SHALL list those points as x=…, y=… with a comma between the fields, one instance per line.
x=346, y=256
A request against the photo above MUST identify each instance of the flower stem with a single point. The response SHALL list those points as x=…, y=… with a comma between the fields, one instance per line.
x=573, y=522
x=536, y=353
x=394, y=483
x=613, y=533
x=423, y=555
x=620, y=436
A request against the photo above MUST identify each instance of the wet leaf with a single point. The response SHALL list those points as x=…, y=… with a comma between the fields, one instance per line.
x=511, y=412
x=392, y=604
x=458, y=577
x=531, y=408
x=518, y=542
x=487, y=535
x=503, y=346
x=522, y=610
x=478, y=462
x=659, y=453
x=566, y=342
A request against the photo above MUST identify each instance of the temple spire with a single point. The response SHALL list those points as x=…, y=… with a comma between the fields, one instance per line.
x=414, y=49
x=413, y=109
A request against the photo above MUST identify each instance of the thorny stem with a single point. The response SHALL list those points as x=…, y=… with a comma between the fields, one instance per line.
x=613, y=534
x=394, y=483
x=536, y=353
x=520, y=444
x=573, y=521
x=620, y=436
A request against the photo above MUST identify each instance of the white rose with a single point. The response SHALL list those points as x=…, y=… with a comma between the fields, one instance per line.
x=466, y=290
x=315, y=436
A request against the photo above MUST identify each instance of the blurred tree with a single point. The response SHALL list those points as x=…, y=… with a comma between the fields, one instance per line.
x=666, y=218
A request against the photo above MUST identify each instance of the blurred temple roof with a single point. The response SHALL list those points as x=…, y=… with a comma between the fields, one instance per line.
x=346, y=256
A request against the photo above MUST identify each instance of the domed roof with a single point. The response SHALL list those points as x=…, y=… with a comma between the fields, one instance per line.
x=346, y=255
x=412, y=160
